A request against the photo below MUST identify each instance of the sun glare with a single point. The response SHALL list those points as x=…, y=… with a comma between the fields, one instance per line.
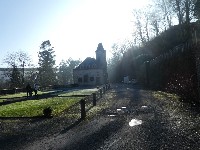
x=83, y=27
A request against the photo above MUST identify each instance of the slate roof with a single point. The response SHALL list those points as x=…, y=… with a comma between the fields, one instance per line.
x=88, y=63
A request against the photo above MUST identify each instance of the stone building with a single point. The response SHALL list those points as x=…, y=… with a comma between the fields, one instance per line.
x=3, y=77
x=4, y=72
x=92, y=71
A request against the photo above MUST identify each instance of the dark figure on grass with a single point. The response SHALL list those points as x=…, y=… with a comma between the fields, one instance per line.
x=28, y=90
x=36, y=88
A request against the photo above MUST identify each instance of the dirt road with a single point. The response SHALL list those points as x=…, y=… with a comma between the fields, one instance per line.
x=133, y=120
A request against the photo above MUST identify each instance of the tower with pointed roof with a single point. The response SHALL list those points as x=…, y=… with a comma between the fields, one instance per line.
x=101, y=59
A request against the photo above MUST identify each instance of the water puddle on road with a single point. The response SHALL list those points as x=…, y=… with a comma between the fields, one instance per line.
x=111, y=115
x=135, y=122
x=144, y=107
x=119, y=109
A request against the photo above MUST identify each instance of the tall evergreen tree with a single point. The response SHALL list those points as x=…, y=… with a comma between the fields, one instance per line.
x=15, y=77
x=46, y=63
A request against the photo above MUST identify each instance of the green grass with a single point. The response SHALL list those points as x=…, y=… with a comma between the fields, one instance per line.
x=22, y=94
x=80, y=92
x=7, y=96
x=164, y=95
x=12, y=95
x=172, y=101
x=19, y=95
x=32, y=108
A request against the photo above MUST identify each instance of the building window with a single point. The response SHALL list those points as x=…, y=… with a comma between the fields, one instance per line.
x=91, y=78
x=80, y=80
x=85, y=78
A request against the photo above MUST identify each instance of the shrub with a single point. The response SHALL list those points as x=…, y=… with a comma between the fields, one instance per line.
x=47, y=112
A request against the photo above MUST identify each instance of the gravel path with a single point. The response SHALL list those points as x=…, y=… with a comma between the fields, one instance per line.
x=132, y=119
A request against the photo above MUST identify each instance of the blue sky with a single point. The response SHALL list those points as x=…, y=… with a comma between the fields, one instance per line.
x=74, y=27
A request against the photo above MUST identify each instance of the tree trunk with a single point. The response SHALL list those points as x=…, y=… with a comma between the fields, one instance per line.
x=147, y=32
x=179, y=14
x=187, y=11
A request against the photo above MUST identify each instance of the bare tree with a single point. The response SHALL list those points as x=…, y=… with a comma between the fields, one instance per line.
x=197, y=9
x=147, y=27
x=155, y=23
x=18, y=59
x=183, y=9
x=165, y=11
x=138, y=22
x=16, y=63
x=148, y=22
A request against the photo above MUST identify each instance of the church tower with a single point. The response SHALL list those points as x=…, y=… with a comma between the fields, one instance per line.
x=101, y=61
x=101, y=57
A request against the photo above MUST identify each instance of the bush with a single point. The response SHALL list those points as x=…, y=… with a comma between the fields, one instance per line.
x=47, y=112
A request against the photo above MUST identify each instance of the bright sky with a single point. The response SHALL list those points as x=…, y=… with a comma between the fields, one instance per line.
x=74, y=27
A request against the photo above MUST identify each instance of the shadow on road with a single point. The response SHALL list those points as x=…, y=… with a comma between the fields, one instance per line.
x=96, y=139
x=71, y=126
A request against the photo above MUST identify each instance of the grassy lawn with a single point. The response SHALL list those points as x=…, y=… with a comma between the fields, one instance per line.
x=80, y=92
x=22, y=94
x=12, y=95
x=32, y=108
x=72, y=92
x=4, y=97
x=18, y=95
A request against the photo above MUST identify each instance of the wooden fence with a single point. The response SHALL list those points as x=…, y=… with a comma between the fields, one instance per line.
x=177, y=71
x=79, y=110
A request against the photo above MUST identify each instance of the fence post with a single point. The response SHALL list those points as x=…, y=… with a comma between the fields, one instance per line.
x=147, y=64
x=100, y=93
x=83, y=112
x=94, y=99
x=104, y=90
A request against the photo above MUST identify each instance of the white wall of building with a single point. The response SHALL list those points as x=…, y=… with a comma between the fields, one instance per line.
x=94, y=76
x=4, y=78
